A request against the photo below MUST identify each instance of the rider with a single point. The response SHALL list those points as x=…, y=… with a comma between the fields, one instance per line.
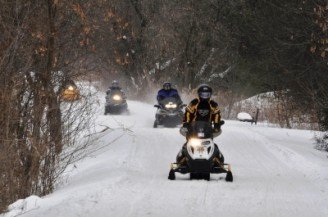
x=167, y=91
x=114, y=87
x=202, y=108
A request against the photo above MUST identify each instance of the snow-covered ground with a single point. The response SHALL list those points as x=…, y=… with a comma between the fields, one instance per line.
x=276, y=173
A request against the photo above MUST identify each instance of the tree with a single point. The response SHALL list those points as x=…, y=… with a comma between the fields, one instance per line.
x=42, y=44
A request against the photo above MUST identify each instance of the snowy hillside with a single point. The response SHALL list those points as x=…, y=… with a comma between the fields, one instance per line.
x=277, y=173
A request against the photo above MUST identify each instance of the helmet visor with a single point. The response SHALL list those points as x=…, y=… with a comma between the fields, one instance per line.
x=205, y=95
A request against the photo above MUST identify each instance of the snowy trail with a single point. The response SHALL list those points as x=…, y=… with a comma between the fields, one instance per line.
x=276, y=173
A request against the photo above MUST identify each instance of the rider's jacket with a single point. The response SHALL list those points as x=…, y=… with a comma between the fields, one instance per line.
x=162, y=94
x=202, y=110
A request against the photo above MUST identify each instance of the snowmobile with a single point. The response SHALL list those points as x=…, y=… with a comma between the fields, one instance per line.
x=70, y=92
x=169, y=112
x=200, y=152
x=116, y=102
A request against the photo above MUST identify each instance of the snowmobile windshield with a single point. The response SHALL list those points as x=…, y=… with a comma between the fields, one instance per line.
x=200, y=129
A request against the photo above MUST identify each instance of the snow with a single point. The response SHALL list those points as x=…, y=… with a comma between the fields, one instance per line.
x=277, y=173
x=243, y=116
x=23, y=205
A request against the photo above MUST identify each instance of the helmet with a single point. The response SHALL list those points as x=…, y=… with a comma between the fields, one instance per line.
x=204, y=91
x=115, y=83
x=167, y=86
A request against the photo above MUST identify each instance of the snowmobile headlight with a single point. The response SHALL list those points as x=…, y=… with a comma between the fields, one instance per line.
x=70, y=87
x=170, y=105
x=117, y=97
x=200, y=134
x=195, y=142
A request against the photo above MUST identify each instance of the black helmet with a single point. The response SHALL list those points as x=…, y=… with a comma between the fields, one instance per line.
x=115, y=83
x=204, y=91
x=167, y=86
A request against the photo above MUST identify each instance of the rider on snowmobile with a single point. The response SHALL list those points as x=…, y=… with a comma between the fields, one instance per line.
x=168, y=91
x=114, y=86
x=202, y=108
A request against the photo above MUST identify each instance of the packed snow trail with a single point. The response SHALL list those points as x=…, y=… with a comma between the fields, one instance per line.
x=276, y=172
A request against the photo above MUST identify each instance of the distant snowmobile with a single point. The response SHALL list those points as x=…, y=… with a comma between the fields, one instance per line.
x=200, y=151
x=116, y=102
x=70, y=92
x=169, y=113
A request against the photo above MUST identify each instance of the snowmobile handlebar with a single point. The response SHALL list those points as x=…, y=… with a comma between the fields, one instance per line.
x=205, y=128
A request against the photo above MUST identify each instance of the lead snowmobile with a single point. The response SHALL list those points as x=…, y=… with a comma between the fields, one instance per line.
x=200, y=152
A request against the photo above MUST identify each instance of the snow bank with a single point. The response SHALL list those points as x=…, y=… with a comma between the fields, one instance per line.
x=22, y=206
x=243, y=116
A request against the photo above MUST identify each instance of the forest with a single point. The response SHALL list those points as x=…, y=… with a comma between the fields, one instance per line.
x=241, y=48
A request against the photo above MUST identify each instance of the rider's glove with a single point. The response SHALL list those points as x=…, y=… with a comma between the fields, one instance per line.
x=217, y=127
x=185, y=125
x=184, y=128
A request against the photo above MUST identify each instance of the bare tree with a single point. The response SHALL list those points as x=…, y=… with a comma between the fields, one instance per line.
x=36, y=60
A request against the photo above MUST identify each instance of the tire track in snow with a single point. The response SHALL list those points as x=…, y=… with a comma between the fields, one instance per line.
x=286, y=179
